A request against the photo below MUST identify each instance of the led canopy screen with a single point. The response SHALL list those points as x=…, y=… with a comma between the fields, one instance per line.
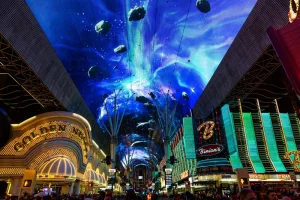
x=140, y=46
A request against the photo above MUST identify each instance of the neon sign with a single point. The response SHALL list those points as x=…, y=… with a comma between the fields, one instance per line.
x=208, y=129
x=52, y=128
x=210, y=150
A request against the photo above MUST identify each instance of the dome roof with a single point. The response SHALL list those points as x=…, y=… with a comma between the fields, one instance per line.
x=91, y=176
x=58, y=167
x=102, y=179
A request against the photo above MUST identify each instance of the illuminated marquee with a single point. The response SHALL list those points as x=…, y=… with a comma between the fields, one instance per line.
x=208, y=129
x=57, y=127
x=269, y=176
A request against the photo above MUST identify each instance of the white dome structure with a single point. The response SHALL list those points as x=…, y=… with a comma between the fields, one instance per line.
x=58, y=167
x=102, y=180
x=92, y=176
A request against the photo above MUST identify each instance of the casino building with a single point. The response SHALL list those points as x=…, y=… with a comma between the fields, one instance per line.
x=57, y=143
x=254, y=95
x=53, y=151
x=251, y=120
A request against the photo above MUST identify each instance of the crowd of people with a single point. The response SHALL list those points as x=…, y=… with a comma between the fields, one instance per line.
x=245, y=194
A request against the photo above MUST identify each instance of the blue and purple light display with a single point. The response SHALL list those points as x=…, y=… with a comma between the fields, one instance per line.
x=174, y=48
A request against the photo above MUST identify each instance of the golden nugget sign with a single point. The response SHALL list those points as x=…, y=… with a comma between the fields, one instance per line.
x=208, y=129
x=57, y=127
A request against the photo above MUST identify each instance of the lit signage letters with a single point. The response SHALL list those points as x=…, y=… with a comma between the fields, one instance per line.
x=210, y=150
x=208, y=129
x=18, y=146
x=52, y=128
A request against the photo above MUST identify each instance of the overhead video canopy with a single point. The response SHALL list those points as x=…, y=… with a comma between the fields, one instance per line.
x=146, y=46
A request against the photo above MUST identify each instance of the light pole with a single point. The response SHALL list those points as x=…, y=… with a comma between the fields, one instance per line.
x=128, y=153
x=166, y=119
x=115, y=119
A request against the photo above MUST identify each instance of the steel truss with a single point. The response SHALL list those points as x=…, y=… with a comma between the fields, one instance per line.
x=12, y=63
x=265, y=65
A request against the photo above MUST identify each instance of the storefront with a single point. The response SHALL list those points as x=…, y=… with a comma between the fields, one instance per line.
x=52, y=152
x=212, y=157
x=224, y=183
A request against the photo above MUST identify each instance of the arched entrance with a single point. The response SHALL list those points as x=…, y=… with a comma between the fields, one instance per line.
x=51, y=150
x=58, y=175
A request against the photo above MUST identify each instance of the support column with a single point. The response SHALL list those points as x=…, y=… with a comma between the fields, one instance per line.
x=71, y=188
x=167, y=149
x=65, y=189
x=77, y=187
x=113, y=149
x=16, y=186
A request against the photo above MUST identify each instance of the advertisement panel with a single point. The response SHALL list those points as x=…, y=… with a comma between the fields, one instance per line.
x=168, y=177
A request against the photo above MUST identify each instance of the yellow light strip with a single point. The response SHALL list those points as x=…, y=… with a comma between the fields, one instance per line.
x=264, y=135
x=42, y=171
x=24, y=122
x=54, y=160
x=102, y=152
x=57, y=168
x=94, y=143
x=83, y=119
x=73, y=167
x=65, y=161
x=243, y=125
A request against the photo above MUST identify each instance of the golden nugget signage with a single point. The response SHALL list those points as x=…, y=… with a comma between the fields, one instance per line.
x=57, y=127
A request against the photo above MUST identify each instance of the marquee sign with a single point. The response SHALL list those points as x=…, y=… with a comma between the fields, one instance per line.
x=270, y=176
x=40, y=132
x=210, y=150
x=208, y=129
x=48, y=128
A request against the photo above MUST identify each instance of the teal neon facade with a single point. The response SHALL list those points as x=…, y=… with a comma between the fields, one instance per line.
x=253, y=141
x=183, y=148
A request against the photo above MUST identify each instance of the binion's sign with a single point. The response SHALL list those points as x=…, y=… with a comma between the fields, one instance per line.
x=210, y=150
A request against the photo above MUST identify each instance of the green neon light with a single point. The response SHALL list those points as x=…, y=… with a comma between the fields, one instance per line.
x=252, y=144
x=271, y=143
x=231, y=137
x=188, y=138
x=288, y=133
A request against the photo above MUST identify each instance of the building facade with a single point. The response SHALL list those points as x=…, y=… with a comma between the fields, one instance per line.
x=53, y=152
